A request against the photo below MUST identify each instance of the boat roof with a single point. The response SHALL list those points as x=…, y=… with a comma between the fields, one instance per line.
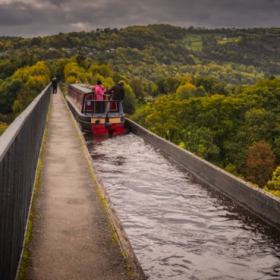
x=84, y=88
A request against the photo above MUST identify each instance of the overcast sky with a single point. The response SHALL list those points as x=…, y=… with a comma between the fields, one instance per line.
x=30, y=18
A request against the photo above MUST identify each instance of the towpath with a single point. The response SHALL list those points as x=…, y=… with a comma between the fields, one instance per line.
x=72, y=235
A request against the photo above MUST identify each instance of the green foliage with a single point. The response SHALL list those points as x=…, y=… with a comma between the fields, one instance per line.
x=81, y=60
x=17, y=91
x=17, y=107
x=186, y=91
x=129, y=102
x=201, y=142
x=3, y=127
x=211, y=94
x=9, y=66
x=60, y=65
x=274, y=183
x=152, y=52
x=102, y=70
x=137, y=87
x=221, y=128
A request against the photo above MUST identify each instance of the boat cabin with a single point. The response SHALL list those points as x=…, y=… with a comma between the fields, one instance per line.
x=90, y=112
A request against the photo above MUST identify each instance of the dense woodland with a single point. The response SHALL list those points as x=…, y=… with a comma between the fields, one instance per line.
x=215, y=92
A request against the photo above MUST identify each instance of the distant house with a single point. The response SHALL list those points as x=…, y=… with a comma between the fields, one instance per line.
x=109, y=51
x=5, y=53
x=66, y=49
x=52, y=49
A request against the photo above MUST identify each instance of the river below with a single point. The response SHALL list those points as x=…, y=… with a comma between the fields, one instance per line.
x=180, y=229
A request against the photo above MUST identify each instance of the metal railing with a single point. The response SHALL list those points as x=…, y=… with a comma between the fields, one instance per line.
x=19, y=152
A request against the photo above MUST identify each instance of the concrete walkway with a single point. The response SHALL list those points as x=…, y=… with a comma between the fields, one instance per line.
x=72, y=236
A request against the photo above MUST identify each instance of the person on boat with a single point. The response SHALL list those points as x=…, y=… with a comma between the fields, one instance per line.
x=118, y=95
x=99, y=91
x=54, y=84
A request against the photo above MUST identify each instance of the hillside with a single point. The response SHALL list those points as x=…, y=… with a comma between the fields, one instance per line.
x=213, y=92
x=155, y=50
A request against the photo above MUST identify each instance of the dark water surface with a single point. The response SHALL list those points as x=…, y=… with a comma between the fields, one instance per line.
x=180, y=229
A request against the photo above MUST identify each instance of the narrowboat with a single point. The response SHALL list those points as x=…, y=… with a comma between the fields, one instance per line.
x=90, y=113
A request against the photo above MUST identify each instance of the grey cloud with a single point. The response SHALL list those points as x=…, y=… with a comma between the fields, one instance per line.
x=14, y=15
x=53, y=16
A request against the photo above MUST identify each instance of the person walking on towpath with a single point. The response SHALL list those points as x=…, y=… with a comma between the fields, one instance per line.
x=54, y=85
x=118, y=95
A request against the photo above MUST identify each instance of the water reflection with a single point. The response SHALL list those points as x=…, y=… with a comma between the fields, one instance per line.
x=180, y=229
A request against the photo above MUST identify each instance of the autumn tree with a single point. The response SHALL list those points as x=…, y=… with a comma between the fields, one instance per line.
x=259, y=163
x=17, y=91
x=186, y=91
x=103, y=70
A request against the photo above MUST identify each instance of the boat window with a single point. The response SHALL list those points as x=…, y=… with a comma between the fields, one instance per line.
x=89, y=97
x=79, y=100
x=89, y=103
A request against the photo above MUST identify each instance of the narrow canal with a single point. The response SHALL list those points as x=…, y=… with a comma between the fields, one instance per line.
x=178, y=228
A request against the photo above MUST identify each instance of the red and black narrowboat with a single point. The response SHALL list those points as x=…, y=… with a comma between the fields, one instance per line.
x=90, y=113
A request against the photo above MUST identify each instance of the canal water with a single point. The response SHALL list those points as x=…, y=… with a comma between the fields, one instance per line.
x=180, y=229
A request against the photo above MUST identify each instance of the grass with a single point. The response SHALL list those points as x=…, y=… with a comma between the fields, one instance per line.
x=141, y=107
x=195, y=46
x=196, y=40
x=197, y=60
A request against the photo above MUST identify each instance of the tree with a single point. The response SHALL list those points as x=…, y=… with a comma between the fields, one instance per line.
x=200, y=142
x=137, y=87
x=60, y=65
x=81, y=60
x=3, y=127
x=259, y=163
x=171, y=84
x=274, y=183
x=8, y=94
x=36, y=41
x=17, y=91
x=129, y=102
x=191, y=29
x=160, y=85
x=103, y=70
x=186, y=91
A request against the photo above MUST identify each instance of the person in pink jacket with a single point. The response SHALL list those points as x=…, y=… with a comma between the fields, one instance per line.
x=99, y=91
